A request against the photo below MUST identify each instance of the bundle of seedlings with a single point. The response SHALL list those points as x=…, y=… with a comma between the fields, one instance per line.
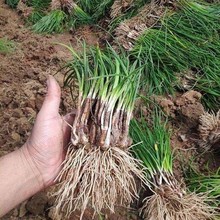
x=6, y=46
x=98, y=171
x=163, y=56
x=209, y=131
x=196, y=21
x=170, y=199
x=128, y=31
x=98, y=9
x=37, y=10
x=64, y=14
x=179, y=42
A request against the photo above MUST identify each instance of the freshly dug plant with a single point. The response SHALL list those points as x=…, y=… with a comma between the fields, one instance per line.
x=6, y=46
x=101, y=9
x=35, y=16
x=98, y=170
x=180, y=42
x=209, y=131
x=63, y=14
x=170, y=199
x=162, y=55
x=209, y=183
x=128, y=31
x=39, y=4
x=53, y=22
x=119, y=7
x=196, y=21
x=123, y=10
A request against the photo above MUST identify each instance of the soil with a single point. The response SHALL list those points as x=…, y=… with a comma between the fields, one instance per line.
x=23, y=76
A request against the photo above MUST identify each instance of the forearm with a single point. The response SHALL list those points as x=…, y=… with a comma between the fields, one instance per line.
x=19, y=179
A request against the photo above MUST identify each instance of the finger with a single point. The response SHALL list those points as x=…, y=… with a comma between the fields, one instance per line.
x=67, y=123
x=51, y=102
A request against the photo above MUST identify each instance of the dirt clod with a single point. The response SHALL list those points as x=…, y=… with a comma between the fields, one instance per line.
x=37, y=204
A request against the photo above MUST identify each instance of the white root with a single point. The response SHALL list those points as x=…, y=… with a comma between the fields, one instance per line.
x=169, y=205
x=209, y=130
x=96, y=178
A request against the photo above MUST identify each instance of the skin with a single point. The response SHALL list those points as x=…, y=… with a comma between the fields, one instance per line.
x=35, y=165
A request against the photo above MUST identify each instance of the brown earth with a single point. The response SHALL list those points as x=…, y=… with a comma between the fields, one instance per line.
x=23, y=76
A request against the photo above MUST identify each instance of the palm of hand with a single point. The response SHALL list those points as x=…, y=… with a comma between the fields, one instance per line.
x=49, y=136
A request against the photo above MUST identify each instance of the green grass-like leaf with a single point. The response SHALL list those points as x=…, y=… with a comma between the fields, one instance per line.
x=39, y=4
x=104, y=74
x=186, y=39
x=152, y=145
x=201, y=183
x=35, y=16
x=54, y=22
x=12, y=3
x=79, y=17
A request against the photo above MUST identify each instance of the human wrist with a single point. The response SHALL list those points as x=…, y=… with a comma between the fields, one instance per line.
x=31, y=167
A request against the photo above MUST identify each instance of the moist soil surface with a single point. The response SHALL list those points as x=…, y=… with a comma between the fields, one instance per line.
x=23, y=75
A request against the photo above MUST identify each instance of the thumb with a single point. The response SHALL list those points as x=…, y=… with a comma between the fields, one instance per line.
x=51, y=102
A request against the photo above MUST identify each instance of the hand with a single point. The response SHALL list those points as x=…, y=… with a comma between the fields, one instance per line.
x=49, y=137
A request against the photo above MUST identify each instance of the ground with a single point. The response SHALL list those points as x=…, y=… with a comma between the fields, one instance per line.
x=23, y=76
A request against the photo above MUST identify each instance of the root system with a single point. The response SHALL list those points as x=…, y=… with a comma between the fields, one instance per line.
x=167, y=204
x=209, y=130
x=97, y=178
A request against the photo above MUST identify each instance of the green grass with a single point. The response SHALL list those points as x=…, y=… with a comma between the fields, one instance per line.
x=97, y=9
x=186, y=39
x=209, y=184
x=54, y=22
x=79, y=17
x=152, y=146
x=6, y=46
x=39, y=4
x=104, y=74
x=12, y=3
x=35, y=16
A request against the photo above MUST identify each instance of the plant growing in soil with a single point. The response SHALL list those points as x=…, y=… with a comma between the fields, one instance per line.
x=98, y=170
x=170, y=199
x=6, y=46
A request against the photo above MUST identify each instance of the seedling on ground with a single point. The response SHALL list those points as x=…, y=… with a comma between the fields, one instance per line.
x=170, y=199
